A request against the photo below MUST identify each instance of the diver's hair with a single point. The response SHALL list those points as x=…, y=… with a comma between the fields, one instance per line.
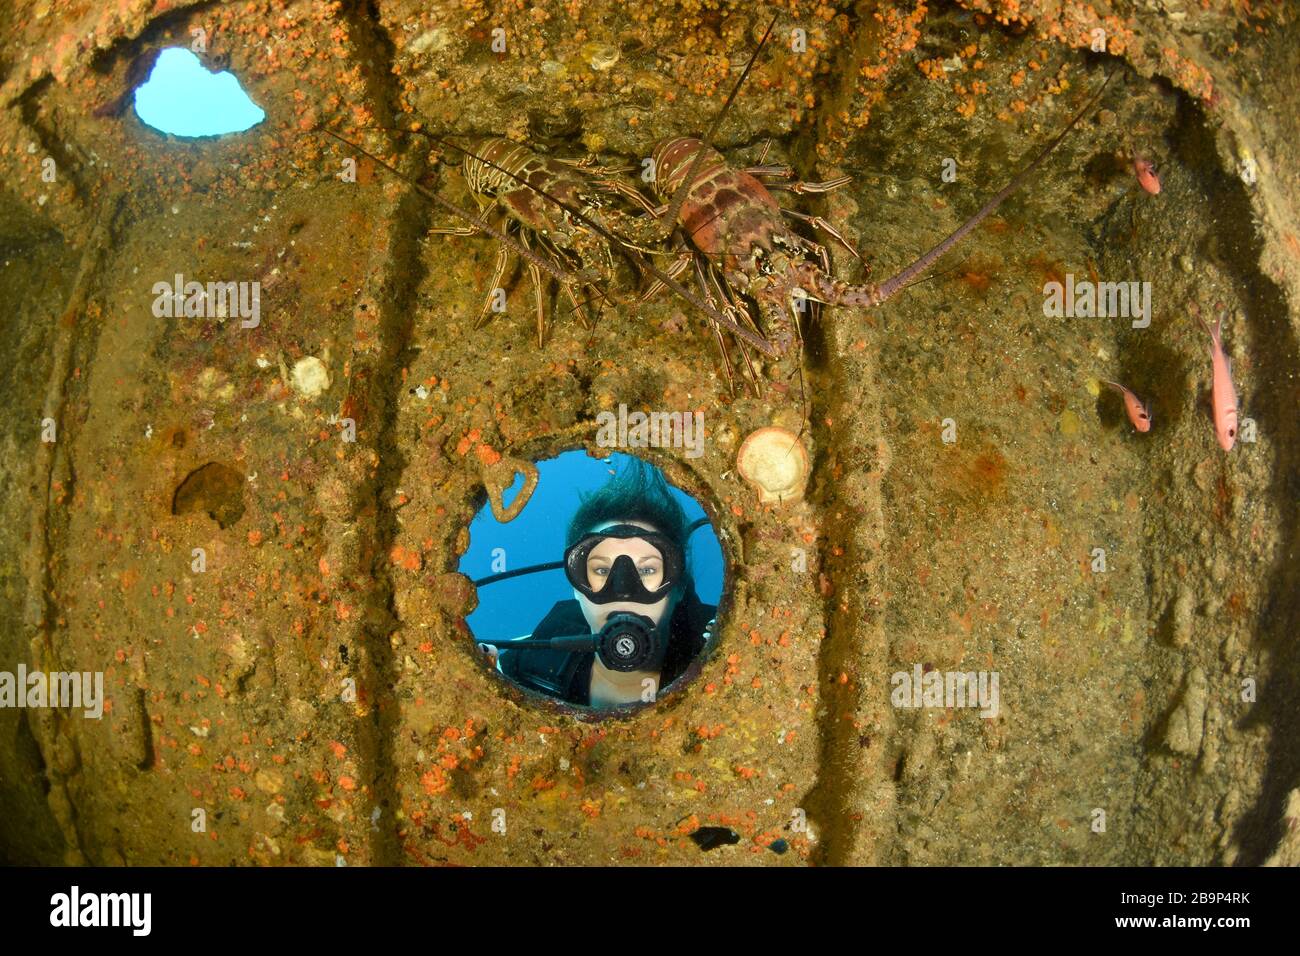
x=638, y=493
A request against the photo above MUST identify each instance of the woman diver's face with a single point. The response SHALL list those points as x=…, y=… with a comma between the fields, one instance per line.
x=649, y=562
x=600, y=562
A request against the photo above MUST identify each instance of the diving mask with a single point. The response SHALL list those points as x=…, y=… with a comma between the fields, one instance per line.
x=623, y=582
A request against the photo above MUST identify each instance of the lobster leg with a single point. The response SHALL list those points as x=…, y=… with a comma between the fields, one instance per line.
x=717, y=330
x=817, y=222
x=805, y=188
x=824, y=259
x=820, y=252
x=569, y=286
x=589, y=164
x=673, y=271
x=503, y=259
x=775, y=170
x=577, y=306
x=608, y=253
x=454, y=230
x=739, y=308
x=782, y=171
x=620, y=188
x=536, y=274
x=721, y=293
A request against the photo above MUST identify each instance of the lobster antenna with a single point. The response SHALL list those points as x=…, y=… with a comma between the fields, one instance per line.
x=679, y=197
x=897, y=282
x=932, y=276
x=803, y=401
x=757, y=341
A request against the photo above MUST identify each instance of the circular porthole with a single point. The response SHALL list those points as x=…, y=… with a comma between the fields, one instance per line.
x=603, y=591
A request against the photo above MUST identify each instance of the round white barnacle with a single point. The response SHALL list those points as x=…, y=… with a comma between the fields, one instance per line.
x=774, y=461
x=310, y=376
x=601, y=56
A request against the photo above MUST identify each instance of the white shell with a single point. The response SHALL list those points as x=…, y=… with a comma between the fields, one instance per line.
x=310, y=376
x=601, y=56
x=774, y=461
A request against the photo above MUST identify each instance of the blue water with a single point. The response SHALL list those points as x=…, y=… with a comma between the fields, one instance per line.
x=512, y=608
x=182, y=98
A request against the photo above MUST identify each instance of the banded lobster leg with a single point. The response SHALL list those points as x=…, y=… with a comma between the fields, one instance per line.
x=824, y=259
x=817, y=222
x=572, y=287
x=682, y=263
x=539, y=289
x=716, y=294
x=498, y=270
x=538, y=293
x=535, y=270
x=802, y=188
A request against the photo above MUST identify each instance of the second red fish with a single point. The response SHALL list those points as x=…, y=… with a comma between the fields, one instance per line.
x=1139, y=413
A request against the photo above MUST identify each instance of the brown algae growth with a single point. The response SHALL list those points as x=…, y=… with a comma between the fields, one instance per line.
x=254, y=530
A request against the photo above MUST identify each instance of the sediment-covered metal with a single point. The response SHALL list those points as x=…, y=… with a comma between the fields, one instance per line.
x=289, y=677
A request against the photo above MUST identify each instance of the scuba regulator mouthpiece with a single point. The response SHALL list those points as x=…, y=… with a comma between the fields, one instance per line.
x=627, y=642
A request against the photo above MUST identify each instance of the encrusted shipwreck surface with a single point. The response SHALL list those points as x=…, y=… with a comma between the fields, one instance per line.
x=966, y=465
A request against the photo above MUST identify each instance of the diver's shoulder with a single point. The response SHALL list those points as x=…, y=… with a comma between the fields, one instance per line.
x=561, y=619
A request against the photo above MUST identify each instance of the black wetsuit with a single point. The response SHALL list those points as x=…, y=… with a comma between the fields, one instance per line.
x=567, y=674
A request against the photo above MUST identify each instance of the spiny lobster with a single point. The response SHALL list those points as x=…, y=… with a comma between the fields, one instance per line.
x=510, y=183
x=734, y=228
x=735, y=233
x=735, y=237
x=548, y=212
x=728, y=224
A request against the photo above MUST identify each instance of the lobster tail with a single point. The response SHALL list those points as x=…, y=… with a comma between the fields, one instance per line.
x=828, y=289
x=863, y=296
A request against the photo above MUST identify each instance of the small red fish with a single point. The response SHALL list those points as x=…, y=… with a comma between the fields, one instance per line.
x=1223, y=396
x=1146, y=174
x=1139, y=413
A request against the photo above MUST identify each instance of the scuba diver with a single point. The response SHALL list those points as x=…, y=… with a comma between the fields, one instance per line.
x=635, y=622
